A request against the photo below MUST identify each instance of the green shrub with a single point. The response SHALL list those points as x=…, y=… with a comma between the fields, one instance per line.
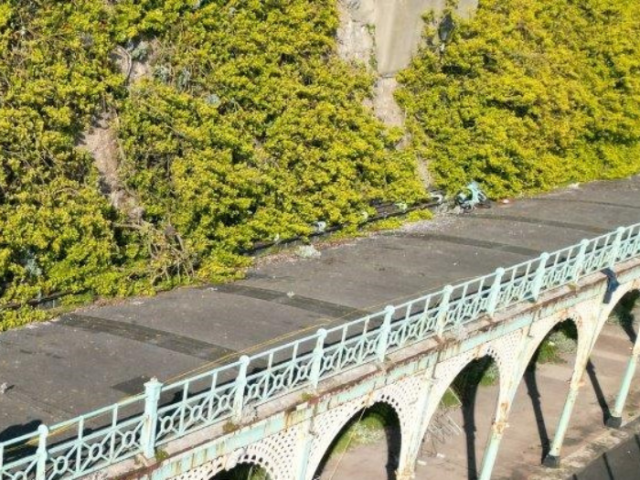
x=368, y=429
x=562, y=340
x=529, y=95
x=255, y=130
x=248, y=128
x=56, y=229
x=624, y=313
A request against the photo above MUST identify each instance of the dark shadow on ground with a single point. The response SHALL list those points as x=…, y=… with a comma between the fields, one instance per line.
x=469, y=426
x=534, y=393
x=16, y=431
x=466, y=386
x=602, y=401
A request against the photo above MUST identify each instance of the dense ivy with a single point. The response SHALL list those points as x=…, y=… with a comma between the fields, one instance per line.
x=238, y=123
x=247, y=127
x=56, y=231
x=529, y=94
x=252, y=129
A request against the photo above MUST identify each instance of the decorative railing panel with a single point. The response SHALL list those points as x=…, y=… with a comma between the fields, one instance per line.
x=166, y=412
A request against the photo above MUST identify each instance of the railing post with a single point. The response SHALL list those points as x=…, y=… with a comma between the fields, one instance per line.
x=316, y=360
x=615, y=247
x=152, y=398
x=442, y=310
x=494, y=293
x=42, y=454
x=383, y=342
x=582, y=255
x=636, y=247
x=538, y=279
x=241, y=384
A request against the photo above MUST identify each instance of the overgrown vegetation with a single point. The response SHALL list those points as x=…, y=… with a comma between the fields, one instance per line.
x=56, y=229
x=236, y=122
x=624, y=312
x=528, y=95
x=367, y=430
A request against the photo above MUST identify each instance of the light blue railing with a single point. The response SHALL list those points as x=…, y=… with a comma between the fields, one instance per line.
x=165, y=412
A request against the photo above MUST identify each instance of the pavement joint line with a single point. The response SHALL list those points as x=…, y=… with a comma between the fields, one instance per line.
x=503, y=247
x=590, y=202
x=539, y=221
x=320, y=307
x=151, y=336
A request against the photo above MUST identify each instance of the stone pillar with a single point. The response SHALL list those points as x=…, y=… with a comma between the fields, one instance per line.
x=412, y=435
x=582, y=358
x=305, y=442
x=499, y=424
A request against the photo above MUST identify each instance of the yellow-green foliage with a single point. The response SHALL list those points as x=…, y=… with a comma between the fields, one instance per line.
x=529, y=94
x=56, y=229
x=249, y=128
x=253, y=129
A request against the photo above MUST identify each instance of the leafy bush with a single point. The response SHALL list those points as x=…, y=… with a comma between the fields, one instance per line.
x=56, y=230
x=369, y=427
x=562, y=340
x=253, y=129
x=528, y=95
x=247, y=128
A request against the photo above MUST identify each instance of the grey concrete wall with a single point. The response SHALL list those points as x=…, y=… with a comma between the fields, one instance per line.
x=384, y=35
x=398, y=27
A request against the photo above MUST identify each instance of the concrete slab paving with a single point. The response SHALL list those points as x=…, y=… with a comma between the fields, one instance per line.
x=382, y=269
x=98, y=355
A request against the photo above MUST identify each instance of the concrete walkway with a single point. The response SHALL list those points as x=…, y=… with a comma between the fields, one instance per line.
x=96, y=356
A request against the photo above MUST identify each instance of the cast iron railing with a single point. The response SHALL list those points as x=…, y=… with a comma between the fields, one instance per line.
x=163, y=413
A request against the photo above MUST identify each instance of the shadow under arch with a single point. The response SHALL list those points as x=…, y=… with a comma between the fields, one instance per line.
x=623, y=313
x=461, y=397
x=548, y=350
x=243, y=471
x=379, y=414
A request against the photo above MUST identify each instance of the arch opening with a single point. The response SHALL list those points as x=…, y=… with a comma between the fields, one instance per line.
x=454, y=440
x=610, y=356
x=626, y=314
x=539, y=400
x=243, y=471
x=367, y=445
